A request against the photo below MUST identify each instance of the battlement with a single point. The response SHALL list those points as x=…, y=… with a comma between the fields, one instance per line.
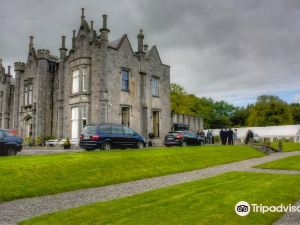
x=19, y=66
x=53, y=58
x=43, y=53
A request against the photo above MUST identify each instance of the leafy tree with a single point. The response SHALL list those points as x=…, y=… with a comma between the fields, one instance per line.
x=295, y=109
x=269, y=110
x=239, y=116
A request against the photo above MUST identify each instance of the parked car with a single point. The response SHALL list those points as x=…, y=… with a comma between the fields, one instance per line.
x=182, y=138
x=10, y=144
x=108, y=136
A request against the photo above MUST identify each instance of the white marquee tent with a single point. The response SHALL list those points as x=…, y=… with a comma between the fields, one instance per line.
x=285, y=131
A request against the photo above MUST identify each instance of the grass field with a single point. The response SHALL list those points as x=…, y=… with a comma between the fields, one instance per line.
x=207, y=202
x=289, y=163
x=27, y=176
x=287, y=146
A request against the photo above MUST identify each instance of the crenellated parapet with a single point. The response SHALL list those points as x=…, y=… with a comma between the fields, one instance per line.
x=19, y=66
x=2, y=69
x=43, y=54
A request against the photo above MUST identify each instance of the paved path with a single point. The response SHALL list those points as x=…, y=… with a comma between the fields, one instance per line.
x=17, y=210
x=291, y=218
x=47, y=151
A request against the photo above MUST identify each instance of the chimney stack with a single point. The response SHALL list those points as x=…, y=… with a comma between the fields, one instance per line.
x=82, y=14
x=63, y=41
x=104, y=31
x=140, y=37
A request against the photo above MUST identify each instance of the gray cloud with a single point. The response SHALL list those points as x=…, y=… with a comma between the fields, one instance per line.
x=231, y=49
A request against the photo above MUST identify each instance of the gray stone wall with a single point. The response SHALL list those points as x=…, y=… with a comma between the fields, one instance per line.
x=50, y=111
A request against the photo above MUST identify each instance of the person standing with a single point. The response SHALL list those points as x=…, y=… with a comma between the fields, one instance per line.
x=225, y=136
x=222, y=136
x=208, y=137
x=230, y=136
x=212, y=137
x=235, y=136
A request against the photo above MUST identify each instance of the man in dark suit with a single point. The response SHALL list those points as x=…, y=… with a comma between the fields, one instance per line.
x=230, y=136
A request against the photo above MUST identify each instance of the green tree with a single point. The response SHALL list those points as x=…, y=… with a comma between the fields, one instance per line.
x=221, y=115
x=269, y=110
x=239, y=116
x=295, y=109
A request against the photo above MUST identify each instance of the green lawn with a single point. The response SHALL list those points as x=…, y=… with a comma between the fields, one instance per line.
x=207, y=202
x=287, y=146
x=289, y=163
x=27, y=176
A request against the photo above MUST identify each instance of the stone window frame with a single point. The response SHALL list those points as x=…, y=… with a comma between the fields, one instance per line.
x=80, y=117
x=157, y=79
x=28, y=93
x=128, y=80
x=82, y=82
x=85, y=75
x=77, y=83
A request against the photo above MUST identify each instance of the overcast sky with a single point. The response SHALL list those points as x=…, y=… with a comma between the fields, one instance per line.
x=233, y=50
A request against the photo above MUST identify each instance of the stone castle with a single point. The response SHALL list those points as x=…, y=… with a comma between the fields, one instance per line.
x=96, y=81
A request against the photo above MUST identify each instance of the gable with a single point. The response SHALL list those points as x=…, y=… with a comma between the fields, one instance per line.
x=153, y=55
x=122, y=44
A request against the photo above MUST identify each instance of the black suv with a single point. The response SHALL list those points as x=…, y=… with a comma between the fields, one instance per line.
x=182, y=138
x=10, y=144
x=108, y=136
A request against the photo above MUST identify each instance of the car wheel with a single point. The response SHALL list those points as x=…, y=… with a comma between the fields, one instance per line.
x=140, y=145
x=11, y=152
x=184, y=144
x=106, y=146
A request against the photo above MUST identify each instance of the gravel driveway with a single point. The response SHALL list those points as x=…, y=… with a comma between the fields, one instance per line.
x=17, y=210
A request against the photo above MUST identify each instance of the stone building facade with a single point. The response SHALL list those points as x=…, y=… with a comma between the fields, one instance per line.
x=96, y=81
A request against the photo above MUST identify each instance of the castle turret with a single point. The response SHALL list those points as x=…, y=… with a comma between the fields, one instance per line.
x=6, y=98
x=103, y=76
x=43, y=54
x=19, y=70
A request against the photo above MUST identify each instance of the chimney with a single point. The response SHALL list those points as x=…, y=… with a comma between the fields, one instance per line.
x=140, y=37
x=73, y=40
x=104, y=22
x=104, y=31
x=92, y=25
x=63, y=41
x=82, y=14
x=8, y=72
x=30, y=44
